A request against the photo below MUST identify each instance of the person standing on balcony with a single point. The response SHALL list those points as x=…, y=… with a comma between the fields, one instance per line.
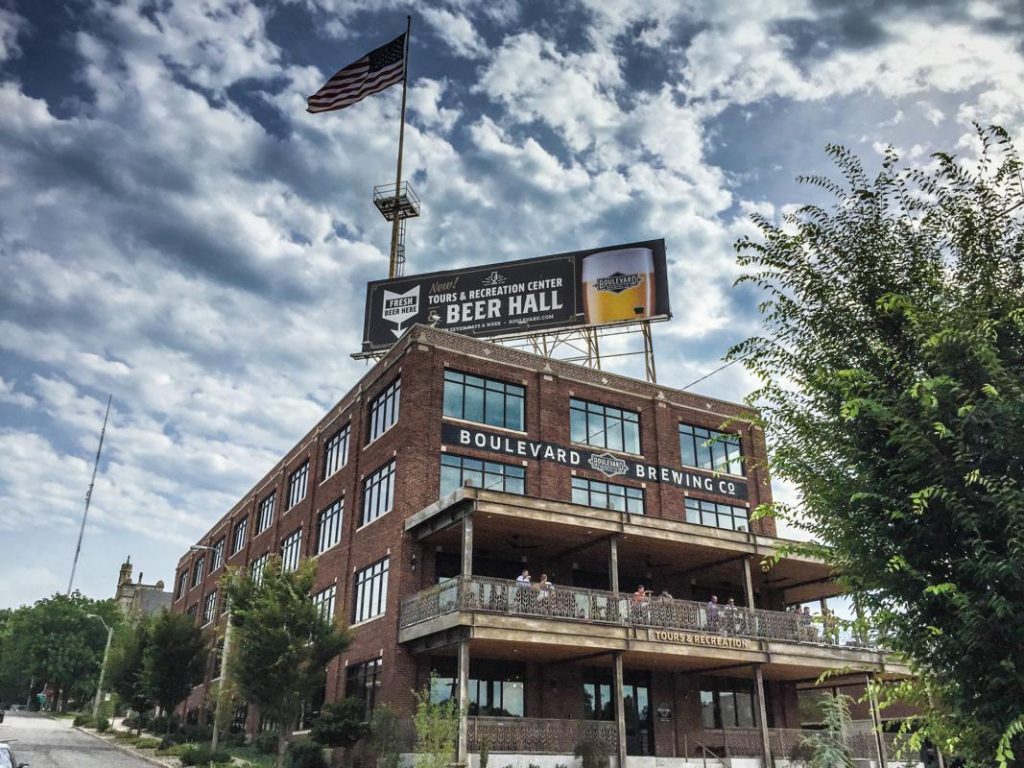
x=544, y=590
x=523, y=579
x=711, y=609
x=641, y=602
x=730, y=617
x=522, y=599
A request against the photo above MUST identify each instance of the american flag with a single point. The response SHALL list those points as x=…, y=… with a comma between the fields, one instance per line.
x=377, y=70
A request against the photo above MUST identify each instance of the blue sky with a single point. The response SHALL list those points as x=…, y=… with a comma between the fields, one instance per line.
x=176, y=230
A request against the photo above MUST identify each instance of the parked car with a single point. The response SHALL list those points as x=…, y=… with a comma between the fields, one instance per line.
x=7, y=759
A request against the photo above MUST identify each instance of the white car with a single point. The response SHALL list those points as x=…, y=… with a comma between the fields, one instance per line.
x=7, y=759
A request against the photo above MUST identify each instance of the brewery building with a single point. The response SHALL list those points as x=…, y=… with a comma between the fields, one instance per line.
x=571, y=552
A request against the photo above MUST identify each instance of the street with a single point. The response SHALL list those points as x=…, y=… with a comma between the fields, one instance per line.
x=45, y=743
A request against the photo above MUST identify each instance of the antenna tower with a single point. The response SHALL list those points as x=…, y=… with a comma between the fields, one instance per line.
x=88, y=495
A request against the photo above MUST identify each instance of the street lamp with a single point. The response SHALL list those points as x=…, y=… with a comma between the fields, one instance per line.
x=222, y=687
x=103, y=668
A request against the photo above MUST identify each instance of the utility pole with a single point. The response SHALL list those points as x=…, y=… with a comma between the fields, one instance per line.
x=103, y=667
x=88, y=495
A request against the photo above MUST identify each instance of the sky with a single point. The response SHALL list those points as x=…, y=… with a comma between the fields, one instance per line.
x=176, y=230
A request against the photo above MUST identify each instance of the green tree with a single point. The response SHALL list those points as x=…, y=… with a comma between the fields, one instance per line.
x=892, y=364
x=55, y=642
x=174, y=659
x=282, y=643
x=437, y=729
x=341, y=724
x=15, y=678
x=126, y=663
x=827, y=747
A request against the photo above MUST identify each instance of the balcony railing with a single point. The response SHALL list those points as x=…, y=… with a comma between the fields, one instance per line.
x=536, y=735
x=501, y=596
x=785, y=743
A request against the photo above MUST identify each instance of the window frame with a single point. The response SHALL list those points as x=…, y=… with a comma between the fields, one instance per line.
x=217, y=557
x=483, y=472
x=243, y=526
x=198, y=571
x=335, y=451
x=370, y=591
x=496, y=388
x=321, y=599
x=386, y=404
x=629, y=493
x=708, y=443
x=256, y=567
x=301, y=473
x=209, y=607
x=368, y=676
x=698, y=505
x=265, y=512
x=291, y=551
x=335, y=509
x=383, y=475
x=595, y=410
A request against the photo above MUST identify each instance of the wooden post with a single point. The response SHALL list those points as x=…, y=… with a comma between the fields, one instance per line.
x=748, y=582
x=876, y=722
x=462, y=750
x=762, y=716
x=620, y=709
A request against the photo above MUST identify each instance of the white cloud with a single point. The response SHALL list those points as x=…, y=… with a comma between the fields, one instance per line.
x=10, y=26
x=457, y=31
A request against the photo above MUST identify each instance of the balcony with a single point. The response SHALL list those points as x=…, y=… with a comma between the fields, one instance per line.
x=596, y=607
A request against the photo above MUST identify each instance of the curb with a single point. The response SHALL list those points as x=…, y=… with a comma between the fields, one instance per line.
x=127, y=750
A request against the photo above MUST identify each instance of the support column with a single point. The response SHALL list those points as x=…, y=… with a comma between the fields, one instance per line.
x=620, y=709
x=748, y=582
x=613, y=565
x=467, y=546
x=876, y=722
x=462, y=750
x=762, y=716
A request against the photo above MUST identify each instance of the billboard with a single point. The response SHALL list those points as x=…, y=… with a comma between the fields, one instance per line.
x=599, y=286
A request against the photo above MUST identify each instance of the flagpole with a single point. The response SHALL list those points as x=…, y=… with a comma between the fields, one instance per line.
x=393, y=264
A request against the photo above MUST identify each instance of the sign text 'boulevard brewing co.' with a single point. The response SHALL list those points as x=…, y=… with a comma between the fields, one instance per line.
x=594, y=287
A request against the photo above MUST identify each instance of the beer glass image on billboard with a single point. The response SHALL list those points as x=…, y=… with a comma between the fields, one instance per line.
x=618, y=285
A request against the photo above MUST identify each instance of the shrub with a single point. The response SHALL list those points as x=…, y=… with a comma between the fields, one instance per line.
x=197, y=732
x=174, y=750
x=306, y=754
x=123, y=736
x=591, y=754
x=103, y=725
x=201, y=755
x=83, y=720
x=485, y=751
x=266, y=743
x=147, y=742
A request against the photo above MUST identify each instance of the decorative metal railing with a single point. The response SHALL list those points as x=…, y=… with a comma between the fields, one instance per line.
x=503, y=596
x=536, y=735
x=785, y=743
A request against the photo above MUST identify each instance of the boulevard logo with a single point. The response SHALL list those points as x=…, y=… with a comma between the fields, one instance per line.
x=495, y=278
x=399, y=308
x=608, y=465
x=618, y=282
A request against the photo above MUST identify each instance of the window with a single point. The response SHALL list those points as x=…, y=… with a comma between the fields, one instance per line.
x=328, y=526
x=496, y=689
x=257, y=566
x=209, y=607
x=371, y=591
x=336, y=451
x=217, y=560
x=718, y=515
x=197, y=571
x=484, y=400
x=384, y=410
x=238, y=538
x=727, y=703
x=193, y=610
x=604, y=426
x=707, y=449
x=182, y=584
x=457, y=471
x=297, y=484
x=290, y=551
x=265, y=514
x=362, y=681
x=595, y=493
x=378, y=493
x=324, y=602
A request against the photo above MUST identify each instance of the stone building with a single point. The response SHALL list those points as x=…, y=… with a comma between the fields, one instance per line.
x=136, y=599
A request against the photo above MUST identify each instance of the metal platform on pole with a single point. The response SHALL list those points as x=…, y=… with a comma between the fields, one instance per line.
x=401, y=206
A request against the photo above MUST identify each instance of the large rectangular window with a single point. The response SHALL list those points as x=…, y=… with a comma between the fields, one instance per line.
x=324, y=602
x=457, y=471
x=707, y=449
x=496, y=688
x=182, y=585
x=328, y=526
x=362, y=682
x=209, y=607
x=217, y=558
x=291, y=551
x=727, y=703
x=257, y=566
x=239, y=535
x=378, y=493
x=596, y=493
x=384, y=410
x=604, y=426
x=486, y=401
x=371, y=591
x=336, y=451
x=717, y=515
x=265, y=515
x=197, y=571
x=297, y=482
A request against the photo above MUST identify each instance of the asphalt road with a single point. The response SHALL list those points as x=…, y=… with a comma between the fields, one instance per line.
x=45, y=743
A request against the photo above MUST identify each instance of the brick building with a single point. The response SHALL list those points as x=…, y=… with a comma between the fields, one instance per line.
x=455, y=465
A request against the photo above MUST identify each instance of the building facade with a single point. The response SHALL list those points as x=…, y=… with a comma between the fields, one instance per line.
x=438, y=494
x=136, y=599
